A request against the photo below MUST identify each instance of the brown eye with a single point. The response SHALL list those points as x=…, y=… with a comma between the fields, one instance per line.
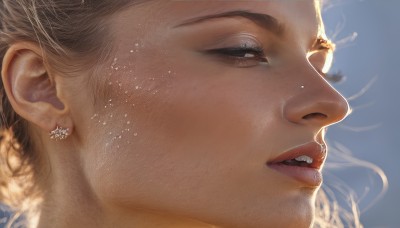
x=241, y=56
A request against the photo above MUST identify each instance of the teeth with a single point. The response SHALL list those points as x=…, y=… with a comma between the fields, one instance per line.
x=304, y=158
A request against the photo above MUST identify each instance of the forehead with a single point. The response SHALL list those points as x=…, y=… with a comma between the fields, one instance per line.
x=297, y=16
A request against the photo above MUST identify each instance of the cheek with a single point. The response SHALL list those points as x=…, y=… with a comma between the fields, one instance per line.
x=169, y=137
x=159, y=109
x=130, y=149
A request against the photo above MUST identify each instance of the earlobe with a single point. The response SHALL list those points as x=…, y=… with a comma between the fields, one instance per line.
x=30, y=87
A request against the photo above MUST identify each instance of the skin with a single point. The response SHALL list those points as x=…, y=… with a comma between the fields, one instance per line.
x=180, y=137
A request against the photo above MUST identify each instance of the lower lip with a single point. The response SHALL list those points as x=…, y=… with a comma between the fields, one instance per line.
x=309, y=176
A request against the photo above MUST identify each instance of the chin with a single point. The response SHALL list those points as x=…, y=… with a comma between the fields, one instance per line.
x=288, y=222
x=299, y=215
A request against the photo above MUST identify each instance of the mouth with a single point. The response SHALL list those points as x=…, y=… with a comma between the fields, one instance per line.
x=302, y=163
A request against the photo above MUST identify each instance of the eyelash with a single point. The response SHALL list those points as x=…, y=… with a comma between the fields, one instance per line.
x=238, y=55
x=335, y=77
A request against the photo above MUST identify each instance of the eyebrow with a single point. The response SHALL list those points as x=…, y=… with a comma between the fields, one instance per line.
x=264, y=20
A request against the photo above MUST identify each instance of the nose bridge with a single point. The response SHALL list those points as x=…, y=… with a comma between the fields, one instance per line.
x=314, y=100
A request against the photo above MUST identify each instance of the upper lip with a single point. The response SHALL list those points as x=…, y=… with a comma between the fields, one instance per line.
x=314, y=150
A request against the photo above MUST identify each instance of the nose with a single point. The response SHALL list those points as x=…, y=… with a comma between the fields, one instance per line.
x=315, y=102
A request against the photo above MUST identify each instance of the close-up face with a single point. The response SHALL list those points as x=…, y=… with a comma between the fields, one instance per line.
x=197, y=104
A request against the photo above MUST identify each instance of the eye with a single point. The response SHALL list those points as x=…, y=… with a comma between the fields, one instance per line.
x=242, y=56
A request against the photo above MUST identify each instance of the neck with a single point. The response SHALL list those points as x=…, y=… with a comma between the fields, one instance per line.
x=68, y=200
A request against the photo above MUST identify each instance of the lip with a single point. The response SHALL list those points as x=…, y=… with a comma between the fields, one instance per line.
x=310, y=175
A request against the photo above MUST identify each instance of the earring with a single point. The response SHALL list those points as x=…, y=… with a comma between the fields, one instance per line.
x=59, y=133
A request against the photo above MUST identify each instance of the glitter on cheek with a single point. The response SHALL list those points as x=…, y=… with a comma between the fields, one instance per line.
x=117, y=127
x=127, y=87
x=123, y=85
x=114, y=63
x=94, y=116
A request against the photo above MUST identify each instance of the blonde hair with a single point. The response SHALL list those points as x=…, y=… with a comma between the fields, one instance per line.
x=67, y=44
x=56, y=25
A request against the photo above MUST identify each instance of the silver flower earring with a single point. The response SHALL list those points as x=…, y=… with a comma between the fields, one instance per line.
x=59, y=133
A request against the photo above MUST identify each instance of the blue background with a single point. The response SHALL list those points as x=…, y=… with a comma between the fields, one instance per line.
x=368, y=36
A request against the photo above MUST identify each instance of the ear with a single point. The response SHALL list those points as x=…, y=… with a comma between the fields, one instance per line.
x=31, y=88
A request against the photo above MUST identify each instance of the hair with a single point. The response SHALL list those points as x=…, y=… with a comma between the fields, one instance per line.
x=56, y=25
x=67, y=44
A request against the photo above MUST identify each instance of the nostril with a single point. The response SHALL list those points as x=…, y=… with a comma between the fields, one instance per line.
x=315, y=115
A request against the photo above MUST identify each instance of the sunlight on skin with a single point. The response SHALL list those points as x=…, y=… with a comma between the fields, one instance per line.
x=200, y=98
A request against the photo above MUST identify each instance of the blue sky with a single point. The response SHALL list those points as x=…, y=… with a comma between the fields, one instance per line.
x=369, y=58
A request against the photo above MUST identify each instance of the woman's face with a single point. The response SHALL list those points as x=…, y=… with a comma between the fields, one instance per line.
x=198, y=97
